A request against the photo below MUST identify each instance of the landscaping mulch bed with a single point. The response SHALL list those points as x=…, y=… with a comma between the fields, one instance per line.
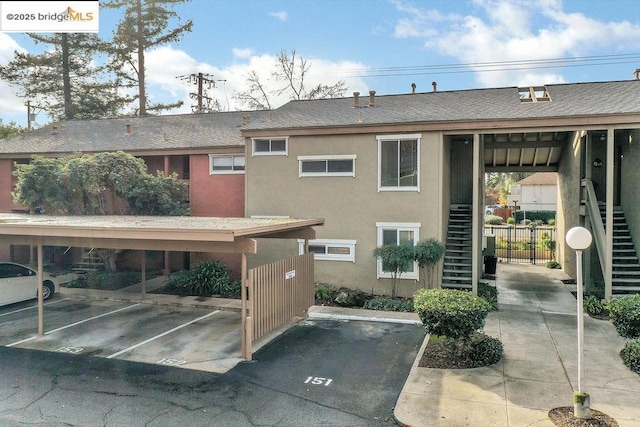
x=563, y=417
x=443, y=354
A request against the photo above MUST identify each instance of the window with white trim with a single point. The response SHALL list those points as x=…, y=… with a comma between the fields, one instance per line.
x=397, y=233
x=269, y=147
x=398, y=162
x=330, y=249
x=226, y=164
x=327, y=165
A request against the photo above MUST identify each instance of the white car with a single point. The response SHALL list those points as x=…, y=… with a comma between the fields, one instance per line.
x=19, y=283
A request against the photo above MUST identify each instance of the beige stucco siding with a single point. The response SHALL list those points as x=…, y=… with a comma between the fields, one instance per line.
x=351, y=206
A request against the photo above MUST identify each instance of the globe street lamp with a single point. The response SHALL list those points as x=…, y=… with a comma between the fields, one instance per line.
x=579, y=239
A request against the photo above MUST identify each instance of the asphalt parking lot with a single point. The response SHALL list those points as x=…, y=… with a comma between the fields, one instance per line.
x=85, y=370
x=187, y=337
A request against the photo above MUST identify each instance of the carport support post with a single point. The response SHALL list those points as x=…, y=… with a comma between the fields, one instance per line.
x=143, y=272
x=40, y=294
x=246, y=320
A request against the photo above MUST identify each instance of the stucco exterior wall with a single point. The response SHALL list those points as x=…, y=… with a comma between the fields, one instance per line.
x=569, y=176
x=629, y=194
x=351, y=206
x=6, y=185
x=214, y=195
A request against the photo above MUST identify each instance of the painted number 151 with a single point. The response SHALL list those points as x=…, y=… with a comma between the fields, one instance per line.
x=318, y=381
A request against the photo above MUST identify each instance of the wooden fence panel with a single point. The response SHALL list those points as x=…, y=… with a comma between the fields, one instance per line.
x=279, y=292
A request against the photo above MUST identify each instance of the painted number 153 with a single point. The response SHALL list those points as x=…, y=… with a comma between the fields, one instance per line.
x=318, y=381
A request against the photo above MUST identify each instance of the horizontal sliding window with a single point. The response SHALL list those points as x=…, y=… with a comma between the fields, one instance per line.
x=329, y=165
x=270, y=147
x=226, y=164
x=330, y=250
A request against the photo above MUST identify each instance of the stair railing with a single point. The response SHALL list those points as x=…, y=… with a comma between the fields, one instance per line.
x=597, y=226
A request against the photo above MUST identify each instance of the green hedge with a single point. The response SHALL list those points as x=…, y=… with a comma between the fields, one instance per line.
x=207, y=278
x=624, y=313
x=451, y=313
x=533, y=216
x=631, y=355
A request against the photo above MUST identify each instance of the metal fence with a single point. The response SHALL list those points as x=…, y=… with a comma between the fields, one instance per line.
x=523, y=244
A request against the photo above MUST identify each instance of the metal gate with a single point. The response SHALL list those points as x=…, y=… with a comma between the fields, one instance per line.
x=523, y=244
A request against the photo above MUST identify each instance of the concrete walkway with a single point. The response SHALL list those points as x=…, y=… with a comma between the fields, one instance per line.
x=537, y=326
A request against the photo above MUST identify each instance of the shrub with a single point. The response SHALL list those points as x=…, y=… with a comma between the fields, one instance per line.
x=595, y=288
x=551, y=222
x=624, y=313
x=552, y=264
x=631, y=355
x=452, y=313
x=389, y=304
x=427, y=253
x=108, y=281
x=206, y=278
x=325, y=292
x=493, y=220
x=593, y=305
x=489, y=293
x=511, y=220
x=397, y=259
x=485, y=350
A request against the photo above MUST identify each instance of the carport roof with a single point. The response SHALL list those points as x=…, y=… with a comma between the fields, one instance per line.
x=177, y=233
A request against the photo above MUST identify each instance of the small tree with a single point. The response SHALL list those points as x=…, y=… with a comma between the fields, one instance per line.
x=396, y=259
x=428, y=253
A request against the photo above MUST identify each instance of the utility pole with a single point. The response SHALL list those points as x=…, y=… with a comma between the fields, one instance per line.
x=31, y=114
x=204, y=103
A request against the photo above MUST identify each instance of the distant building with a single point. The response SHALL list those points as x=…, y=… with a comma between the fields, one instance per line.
x=538, y=192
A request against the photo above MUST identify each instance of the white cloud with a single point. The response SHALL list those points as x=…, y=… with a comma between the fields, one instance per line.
x=242, y=53
x=514, y=30
x=282, y=15
x=12, y=107
x=165, y=64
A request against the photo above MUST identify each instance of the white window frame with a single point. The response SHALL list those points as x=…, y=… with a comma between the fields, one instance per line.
x=327, y=158
x=398, y=226
x=398, y=138
x=226, y=172
x=336, y=243
x=270, y=153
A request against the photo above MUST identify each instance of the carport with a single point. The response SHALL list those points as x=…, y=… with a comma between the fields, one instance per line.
x=180, y=234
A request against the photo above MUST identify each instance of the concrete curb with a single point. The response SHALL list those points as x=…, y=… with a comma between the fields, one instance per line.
x=341, y=316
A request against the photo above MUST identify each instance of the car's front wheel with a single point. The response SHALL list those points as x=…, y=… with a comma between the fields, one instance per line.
x=47, y=290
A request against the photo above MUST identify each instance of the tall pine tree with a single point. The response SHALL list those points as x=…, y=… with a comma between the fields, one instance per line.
x=64, y=80
x=145, y=25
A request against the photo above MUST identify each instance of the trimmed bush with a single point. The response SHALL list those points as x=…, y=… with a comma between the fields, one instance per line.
x=493, y=220
x=553, y=264
x=389, y=304
x=624, y=313
x=485, y=350
x=206, y=278
x=631, y=355
x=451, y=313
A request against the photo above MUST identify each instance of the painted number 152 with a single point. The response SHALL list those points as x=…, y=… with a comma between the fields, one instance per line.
x=318, y=381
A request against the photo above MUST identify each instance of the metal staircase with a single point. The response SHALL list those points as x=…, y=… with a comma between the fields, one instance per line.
x=626, y=266
x=457, y=268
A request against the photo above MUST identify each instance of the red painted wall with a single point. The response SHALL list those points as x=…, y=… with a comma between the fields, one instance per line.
x=214, y=195
x=6, y=167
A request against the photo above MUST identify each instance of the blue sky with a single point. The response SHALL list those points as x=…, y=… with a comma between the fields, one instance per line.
x=382, y=45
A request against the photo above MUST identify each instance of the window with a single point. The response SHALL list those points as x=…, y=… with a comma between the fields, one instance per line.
x=270, y=147
x=226, y=164
x=330, y=250
x=398, y=162
x=331, y=165
x=397, y=233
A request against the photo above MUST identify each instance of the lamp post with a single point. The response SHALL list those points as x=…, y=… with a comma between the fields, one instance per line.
x=579, y=239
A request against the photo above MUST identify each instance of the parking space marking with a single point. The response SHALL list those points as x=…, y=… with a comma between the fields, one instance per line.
x=111, y=356
x=74, y=324
x=32, y=307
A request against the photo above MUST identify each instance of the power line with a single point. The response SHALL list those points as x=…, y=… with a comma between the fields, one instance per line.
x=475, y=67
x=205, y=103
